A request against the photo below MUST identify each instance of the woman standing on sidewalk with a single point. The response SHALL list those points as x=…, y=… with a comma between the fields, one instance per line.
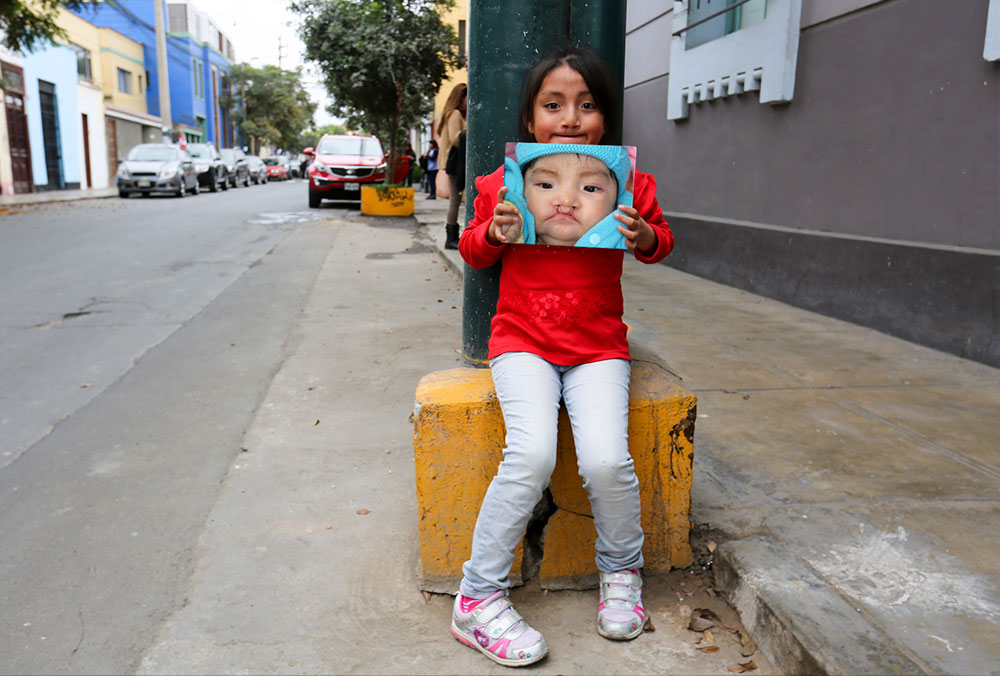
x=451, y=125
x=432, y=169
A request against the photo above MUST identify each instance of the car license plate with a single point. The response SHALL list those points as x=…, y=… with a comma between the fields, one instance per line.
x=143, y=182
x=352, y=186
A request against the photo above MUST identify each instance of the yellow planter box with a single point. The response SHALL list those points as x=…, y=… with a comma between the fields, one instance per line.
x=386, y=201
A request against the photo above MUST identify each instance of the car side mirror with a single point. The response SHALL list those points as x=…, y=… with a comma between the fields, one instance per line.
x=308, y=151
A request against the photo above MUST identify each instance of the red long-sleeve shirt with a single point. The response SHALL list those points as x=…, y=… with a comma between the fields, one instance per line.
x=562, y=303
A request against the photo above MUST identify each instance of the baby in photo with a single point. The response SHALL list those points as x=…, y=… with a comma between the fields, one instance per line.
x=566, y=195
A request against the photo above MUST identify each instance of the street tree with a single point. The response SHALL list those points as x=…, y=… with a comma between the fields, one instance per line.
x=382, y=61
x=25, y=24
x=271, y=104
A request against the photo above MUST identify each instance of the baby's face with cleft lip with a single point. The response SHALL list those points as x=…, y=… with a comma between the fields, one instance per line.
x=568, y=194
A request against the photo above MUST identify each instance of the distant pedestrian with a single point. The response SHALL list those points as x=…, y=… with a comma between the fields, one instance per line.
x=411, y=160
x=432, y=168
x=452, y=124
x=558, y=335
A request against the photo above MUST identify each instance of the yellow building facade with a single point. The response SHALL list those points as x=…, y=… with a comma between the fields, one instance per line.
x=111, y=97
x=458, y=18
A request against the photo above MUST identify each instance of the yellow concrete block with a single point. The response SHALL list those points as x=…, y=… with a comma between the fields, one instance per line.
x=386, y=201
x=458, y=442
x=457, y=445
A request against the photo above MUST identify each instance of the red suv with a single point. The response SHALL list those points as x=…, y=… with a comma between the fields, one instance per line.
x=340, y=165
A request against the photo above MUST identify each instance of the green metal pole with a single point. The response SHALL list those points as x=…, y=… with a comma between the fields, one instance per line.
x=600, y=24
x=506, y=39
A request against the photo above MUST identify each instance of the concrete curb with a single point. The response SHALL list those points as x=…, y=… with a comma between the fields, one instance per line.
x=798, y=619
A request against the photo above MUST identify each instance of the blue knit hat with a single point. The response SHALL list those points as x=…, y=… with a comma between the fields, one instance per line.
x=605, y=233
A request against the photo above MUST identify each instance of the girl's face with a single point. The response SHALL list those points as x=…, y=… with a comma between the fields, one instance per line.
x=564, y=110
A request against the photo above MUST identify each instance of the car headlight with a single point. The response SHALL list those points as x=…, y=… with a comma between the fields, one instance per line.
x=380, y=167
x=168, y=172
x=319, y=166
x=123, y=171
x=200, y=167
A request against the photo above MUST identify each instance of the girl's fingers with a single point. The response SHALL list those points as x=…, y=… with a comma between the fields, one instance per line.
x=629, y=222
x=629, y=234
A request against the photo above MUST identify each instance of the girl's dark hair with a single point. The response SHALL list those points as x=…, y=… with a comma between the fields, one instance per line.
x=595, y=72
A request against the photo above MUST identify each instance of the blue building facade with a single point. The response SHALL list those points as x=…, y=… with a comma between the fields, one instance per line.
x=199, y=57
x=50, y=79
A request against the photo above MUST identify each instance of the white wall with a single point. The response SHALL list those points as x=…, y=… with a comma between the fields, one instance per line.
x=91, y=104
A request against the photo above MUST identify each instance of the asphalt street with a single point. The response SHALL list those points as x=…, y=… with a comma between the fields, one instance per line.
x=139, y=336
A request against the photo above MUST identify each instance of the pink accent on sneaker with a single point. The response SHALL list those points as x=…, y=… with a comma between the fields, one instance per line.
x=468, y=604
x=500, y=648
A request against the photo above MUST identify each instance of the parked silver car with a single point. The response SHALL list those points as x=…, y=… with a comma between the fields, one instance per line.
x=157, y=167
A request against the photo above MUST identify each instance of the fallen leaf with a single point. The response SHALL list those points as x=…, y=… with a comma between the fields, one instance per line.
x=712, y=546
x=698, y=641
x=709, y=637
x=427, y=597
x=710, y=649
x=737, y=670
x=748, y=666
x=702, y=619
x=363, y=511
x=316, y=423
x=649, y=624
x=747, y=646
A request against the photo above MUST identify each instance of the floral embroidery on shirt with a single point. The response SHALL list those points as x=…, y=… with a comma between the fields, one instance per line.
x=563, y=307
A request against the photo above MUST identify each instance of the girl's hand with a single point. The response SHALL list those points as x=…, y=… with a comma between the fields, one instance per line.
x=638, y=233
x=506, y=224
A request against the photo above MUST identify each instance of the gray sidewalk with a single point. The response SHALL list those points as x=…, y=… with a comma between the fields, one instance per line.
x=851, y=479
x=56, y=196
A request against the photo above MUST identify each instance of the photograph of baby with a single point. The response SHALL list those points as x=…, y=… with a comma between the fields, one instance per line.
x=567, y=194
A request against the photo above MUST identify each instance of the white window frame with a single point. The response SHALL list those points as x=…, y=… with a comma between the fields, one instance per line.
x=991, y=50
x=760, y=58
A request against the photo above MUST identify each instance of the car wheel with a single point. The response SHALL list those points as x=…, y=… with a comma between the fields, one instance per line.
x=213, y=183
x=181, y=191
x=123, y=193
x=197, y=188
x=314, y=199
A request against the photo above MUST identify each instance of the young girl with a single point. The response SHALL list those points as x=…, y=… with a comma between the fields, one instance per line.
x=558, y=335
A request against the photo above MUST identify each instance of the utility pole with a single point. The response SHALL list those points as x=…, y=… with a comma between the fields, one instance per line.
x=280, y=49
x=163, y=72
x=507, y=38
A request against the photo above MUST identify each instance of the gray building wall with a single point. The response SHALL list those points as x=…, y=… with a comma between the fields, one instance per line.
x=873, y=196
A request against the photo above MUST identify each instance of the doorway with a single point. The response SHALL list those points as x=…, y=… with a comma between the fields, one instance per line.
x=86, y=150
x=17, y=128
x=50, y=134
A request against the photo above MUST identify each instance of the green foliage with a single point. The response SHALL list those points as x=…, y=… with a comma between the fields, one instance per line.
x=382, y=60
x=26, y=24
x=270, y=103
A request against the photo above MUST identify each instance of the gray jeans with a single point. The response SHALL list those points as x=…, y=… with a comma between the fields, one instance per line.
x=596, y=395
